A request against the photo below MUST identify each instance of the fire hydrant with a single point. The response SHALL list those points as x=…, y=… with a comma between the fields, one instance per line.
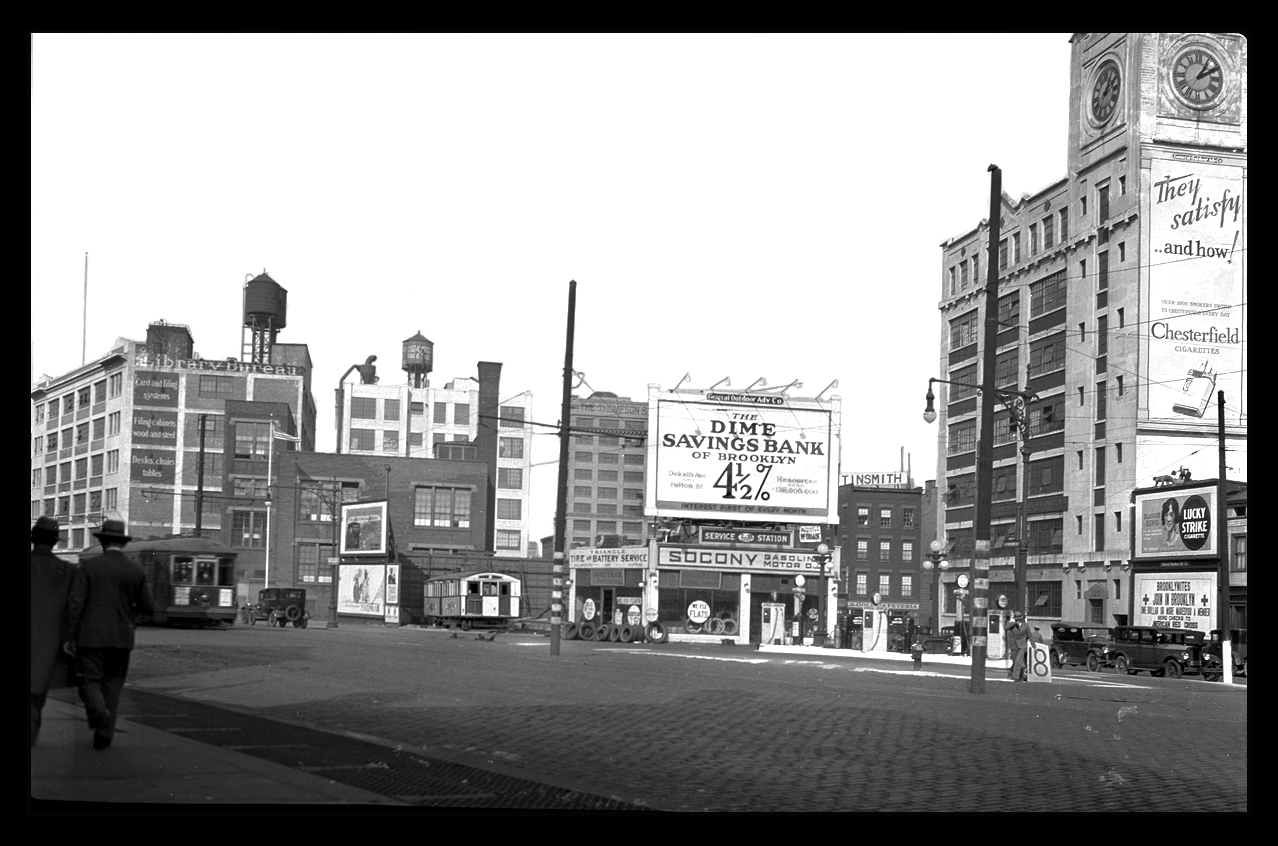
x=917, y=650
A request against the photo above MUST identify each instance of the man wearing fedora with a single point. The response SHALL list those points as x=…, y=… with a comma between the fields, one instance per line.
x=51, y=579
x=1019, y=634
x=108, y=592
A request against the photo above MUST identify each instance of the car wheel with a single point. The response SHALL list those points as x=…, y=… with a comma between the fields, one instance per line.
x=1173, y=669
x=293, y=613
x=1244, y=667
x=1093, y=663
x=271, y=619
x=252, y=617
x=1120, y=664
x=302, y=622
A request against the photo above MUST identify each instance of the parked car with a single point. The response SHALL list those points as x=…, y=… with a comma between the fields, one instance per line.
x=1170, y=652
x=1237, y=651
x=278, y=607
x=1080, y=643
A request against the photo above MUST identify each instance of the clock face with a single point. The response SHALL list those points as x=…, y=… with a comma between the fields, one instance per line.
x=1105, y=92
x=962, y=580
x=1197, y=77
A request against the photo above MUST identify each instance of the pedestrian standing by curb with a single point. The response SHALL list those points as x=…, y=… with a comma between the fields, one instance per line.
x=109, y=591
x=917, y=650
x=51, y=579
x=1020, y=641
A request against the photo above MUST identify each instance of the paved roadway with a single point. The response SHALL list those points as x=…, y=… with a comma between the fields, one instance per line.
x=699, y=728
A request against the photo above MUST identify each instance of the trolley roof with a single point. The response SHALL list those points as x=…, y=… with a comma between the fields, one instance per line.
x=177, y=546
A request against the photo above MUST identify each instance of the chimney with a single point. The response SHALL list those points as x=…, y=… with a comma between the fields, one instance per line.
x=486, y=440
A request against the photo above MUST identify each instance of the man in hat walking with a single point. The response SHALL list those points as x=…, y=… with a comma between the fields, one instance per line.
x=1020, y=642
x=108, y=592
x=51, y=579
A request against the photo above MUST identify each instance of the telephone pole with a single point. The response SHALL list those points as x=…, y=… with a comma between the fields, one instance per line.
x=561, y=500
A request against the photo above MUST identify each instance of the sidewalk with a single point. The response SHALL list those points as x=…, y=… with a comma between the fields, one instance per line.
x=152, y=766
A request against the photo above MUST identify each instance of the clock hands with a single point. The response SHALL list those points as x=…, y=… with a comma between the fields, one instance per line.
x=1207, y=68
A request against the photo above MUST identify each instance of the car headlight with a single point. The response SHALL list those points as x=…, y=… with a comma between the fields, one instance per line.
x=1184, y=656
x=1104, y=650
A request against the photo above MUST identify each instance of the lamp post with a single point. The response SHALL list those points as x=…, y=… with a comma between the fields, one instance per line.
x=822, y=557
x=936, y=564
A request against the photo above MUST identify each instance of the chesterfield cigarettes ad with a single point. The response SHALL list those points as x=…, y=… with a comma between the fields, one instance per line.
x=1198, y=240
x=749, y=457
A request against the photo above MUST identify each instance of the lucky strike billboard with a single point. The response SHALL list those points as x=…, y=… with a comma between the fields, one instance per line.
x=748, y=457
x=1195, y=328
x=1176, y=522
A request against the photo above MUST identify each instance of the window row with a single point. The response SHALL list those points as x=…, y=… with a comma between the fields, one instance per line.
x=78, y=505
x=82, y=468
x=885, y=516
x=885, y=550
x=861, y=585
x=82, y=398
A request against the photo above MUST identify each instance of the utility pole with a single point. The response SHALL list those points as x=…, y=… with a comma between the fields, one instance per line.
x=199, y=485
x=980, y=576
x=335, y=508
x=561, y=500
x=1222, y=547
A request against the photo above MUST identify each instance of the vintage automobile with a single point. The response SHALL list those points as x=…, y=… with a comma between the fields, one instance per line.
x=1237, y=651
x=1170, y=652
x=1080, y=643
x=278, y=607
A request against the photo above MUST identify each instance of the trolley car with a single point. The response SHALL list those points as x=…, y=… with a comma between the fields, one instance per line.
x=472, y=600
x=192, y=580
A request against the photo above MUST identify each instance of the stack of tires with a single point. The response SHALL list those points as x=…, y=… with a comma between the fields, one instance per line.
x=602, y=632
x=724, y=623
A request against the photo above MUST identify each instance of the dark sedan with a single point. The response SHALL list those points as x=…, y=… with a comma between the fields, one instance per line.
x=1080, y=643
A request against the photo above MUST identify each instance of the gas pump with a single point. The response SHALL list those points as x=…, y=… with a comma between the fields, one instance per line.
x=773, y=630
x=874, y=635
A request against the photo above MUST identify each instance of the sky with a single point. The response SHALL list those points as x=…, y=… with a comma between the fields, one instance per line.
x=743, y=205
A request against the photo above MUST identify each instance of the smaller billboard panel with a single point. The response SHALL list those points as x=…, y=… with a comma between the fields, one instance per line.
x=621, y=556
x=361, y=590
x=1176, y=522
x=364, y=528
x=1175, y=600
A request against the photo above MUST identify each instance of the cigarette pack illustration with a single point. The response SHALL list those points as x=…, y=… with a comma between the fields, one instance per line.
x=1196, y=393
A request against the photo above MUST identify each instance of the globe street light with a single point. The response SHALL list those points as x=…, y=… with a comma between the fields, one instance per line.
x=936, y=563
x=823, y=557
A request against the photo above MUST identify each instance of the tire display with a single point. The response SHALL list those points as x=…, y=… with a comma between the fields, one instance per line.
x=729, y=626
x=568, y=631
x=714, y=626
x=614, y=634
x=586, y=630
x=656, y=633
x=626, y=634
x=602, y=633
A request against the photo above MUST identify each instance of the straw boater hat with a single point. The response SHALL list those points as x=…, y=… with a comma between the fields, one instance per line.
x=112, y=530
x=45, y=529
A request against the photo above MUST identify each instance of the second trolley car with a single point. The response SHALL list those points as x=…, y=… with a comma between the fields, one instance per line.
x=192, y=580
x=472, y=600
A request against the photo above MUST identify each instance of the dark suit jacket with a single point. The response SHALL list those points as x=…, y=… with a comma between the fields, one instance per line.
x=108, y=592
x=51, y=579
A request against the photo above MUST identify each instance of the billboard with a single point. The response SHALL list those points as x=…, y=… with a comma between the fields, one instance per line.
x=621, y=556
x=1175, y=600
x=1195, y=332
x=740, y=456
x=153, y=466
x=155, y=427
x=361, y=589
x=1176, y=522
x=364, y=528
x=152, y=388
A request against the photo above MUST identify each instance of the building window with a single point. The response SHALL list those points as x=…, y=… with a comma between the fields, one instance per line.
x=606, y=493
x=1082, y=208
x=82, y=434
x=1047, y=476
x=113, y=461
x=885, y=518
x=1002, y=254
x=216, y=387
x=907, y=550
x=441, y=412
x=582, y=492
x=583, y=474
x=390, y=409
x=1047, y=294
x=1100, y=400
x=953, y=285
x=1009, y=310
x=113, y=423
x=1102, y=203
x=862, y=583
x=361, y=439
x=633, y=477
x=1118, y=453
x=1048, y=234
x=416, y=409
x=511, y=478
x=461, y=414
x=885, y=584
x=1033, y=232
x=414, y=440
x=608, y=475
x=311, y=507
x=1045, y=536
x=907, y=585
x=962, y=437
x=907, y=518
x=968, y=376
x=115, y=384
x=312, y=563
x=390, y=441
x=512, y=448
x=863, y=515
x=1016, y=248
x=1100, y=467
x=1046, y=599
x=252, y=439
x=507, y=539
x=446, y=508
x=363, y=408
x=84, y=398
x=1047, y=355
x=885, y=550
x=509, y=509
x=249, y=488
x=862, y=549
x=1005, y=369
x=1238, y=554
x=1102, y=335
x=99, y=428
x=248, y=529
x=963, y=331
x=112, y=499
x=1118, y=524
x=512, y=417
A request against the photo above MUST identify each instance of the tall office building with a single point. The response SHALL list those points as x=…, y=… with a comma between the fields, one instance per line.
x=1122, y=304
x=606, y=471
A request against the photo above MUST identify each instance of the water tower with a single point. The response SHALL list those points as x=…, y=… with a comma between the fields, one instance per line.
x=419, y=359
x=265, y=311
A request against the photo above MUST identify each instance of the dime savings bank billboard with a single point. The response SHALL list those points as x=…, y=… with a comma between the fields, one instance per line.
x=737, y=456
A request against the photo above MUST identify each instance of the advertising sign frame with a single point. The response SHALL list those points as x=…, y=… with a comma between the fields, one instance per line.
x=1175, y=599
x=747, y=457
x=1170, y=522
x=364, y=528
x=361, y=589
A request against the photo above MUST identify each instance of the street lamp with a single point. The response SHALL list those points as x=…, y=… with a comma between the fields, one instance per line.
x=822, y=557
x=936, y=564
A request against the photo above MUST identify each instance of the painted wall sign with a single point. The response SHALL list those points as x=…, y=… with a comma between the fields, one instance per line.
x=1197, y=287
x=146, y=359
x=749, y=457
x=1176, y=522
x=1175, y=600
x=155, y=427
x=890, y=479
x=621, y=556
x=154, y=466
x=155, y=389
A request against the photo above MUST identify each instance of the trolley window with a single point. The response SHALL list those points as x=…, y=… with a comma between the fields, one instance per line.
x=204, y=572
x=505, y=588
x=472, y=588
x=490, y=588
x=183, y=570
x=226, y=571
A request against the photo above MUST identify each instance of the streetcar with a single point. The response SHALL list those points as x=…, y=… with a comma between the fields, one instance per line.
x=192, y=580
x=472, y=600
